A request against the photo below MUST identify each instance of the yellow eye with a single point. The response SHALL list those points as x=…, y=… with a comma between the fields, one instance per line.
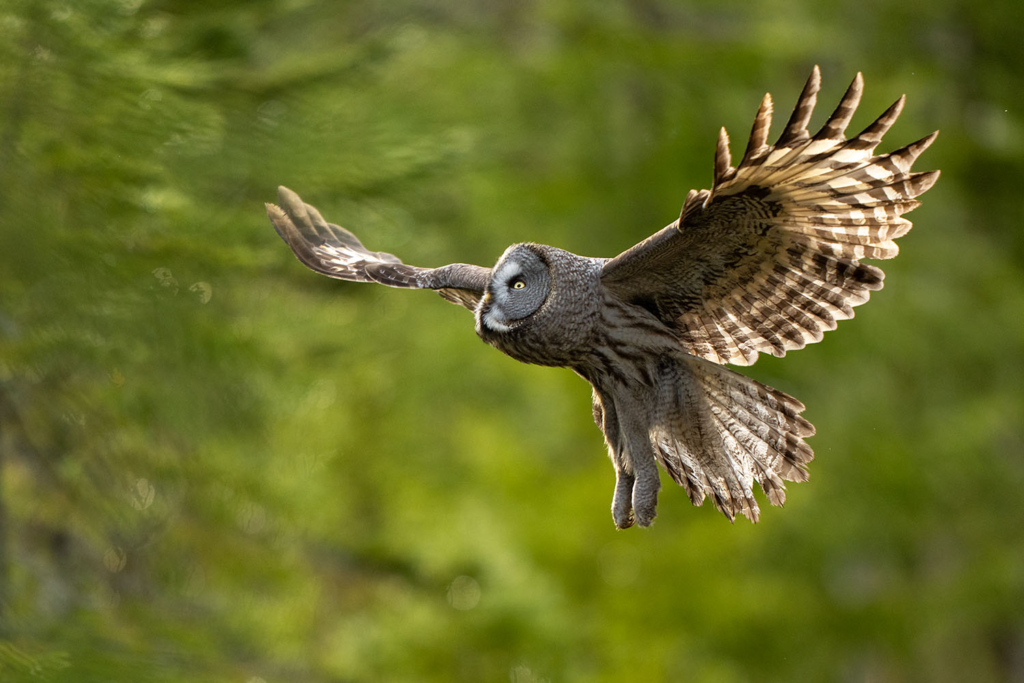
x=518, y=284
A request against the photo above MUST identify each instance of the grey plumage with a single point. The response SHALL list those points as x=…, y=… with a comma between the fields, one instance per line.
x=764, y=262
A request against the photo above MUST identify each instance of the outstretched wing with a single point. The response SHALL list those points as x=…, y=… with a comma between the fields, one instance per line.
x=769, y=259
x=335, y=252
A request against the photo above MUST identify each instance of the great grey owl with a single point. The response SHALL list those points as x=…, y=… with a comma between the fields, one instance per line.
x=764, y=262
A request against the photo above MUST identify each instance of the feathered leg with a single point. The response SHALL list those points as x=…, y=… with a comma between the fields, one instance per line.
x=622, y=501
x=627, y=432
x=637, y=435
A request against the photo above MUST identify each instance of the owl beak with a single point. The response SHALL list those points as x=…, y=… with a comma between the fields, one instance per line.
x=488, y=318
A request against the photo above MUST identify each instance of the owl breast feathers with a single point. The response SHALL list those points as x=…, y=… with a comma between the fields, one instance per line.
x=763, y=262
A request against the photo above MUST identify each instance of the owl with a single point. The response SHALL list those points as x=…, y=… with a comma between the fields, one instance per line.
x=764, y=262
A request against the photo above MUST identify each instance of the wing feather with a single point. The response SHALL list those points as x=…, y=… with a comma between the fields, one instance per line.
x=796, y=129
x=770, y=257
x=758, y=143
x=835, y=127
x=335, y=252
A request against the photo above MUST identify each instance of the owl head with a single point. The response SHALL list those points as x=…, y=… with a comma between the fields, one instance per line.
x=538, y=302
x=520, y=284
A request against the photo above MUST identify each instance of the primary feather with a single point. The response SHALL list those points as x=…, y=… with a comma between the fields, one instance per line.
x=769, y=258
x=335, y=252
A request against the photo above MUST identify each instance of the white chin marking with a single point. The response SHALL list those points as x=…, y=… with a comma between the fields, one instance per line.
x=493, y=323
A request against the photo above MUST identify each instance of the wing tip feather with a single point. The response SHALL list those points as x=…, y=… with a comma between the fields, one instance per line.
x=796, y=127
x=758, y=142
x=923, y=181
x=723, y=159
x=835, y=127
x=873, y=134
x=290, y=201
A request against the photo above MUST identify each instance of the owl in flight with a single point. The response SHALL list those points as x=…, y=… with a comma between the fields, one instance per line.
x=763, y=262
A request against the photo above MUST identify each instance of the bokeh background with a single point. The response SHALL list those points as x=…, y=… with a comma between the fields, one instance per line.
x=218, y=466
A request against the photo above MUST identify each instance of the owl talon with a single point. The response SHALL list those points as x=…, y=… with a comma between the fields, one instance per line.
x=622, y=502
x=645, y=497
x=626, y=522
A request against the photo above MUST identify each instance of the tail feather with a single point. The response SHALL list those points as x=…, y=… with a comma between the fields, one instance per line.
x=723, y=431
x=780, y=445
x=682, y=473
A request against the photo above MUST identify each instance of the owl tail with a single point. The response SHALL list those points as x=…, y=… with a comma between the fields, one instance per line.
x=721, y=431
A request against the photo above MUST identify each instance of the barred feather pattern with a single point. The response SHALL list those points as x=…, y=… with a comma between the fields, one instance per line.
x=770, y=257
x=334, y=251
x=721, y=431
x=832, y=202
x=714, y=431
x=324, y=247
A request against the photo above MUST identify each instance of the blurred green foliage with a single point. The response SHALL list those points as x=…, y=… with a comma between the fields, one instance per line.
x=217, y=466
